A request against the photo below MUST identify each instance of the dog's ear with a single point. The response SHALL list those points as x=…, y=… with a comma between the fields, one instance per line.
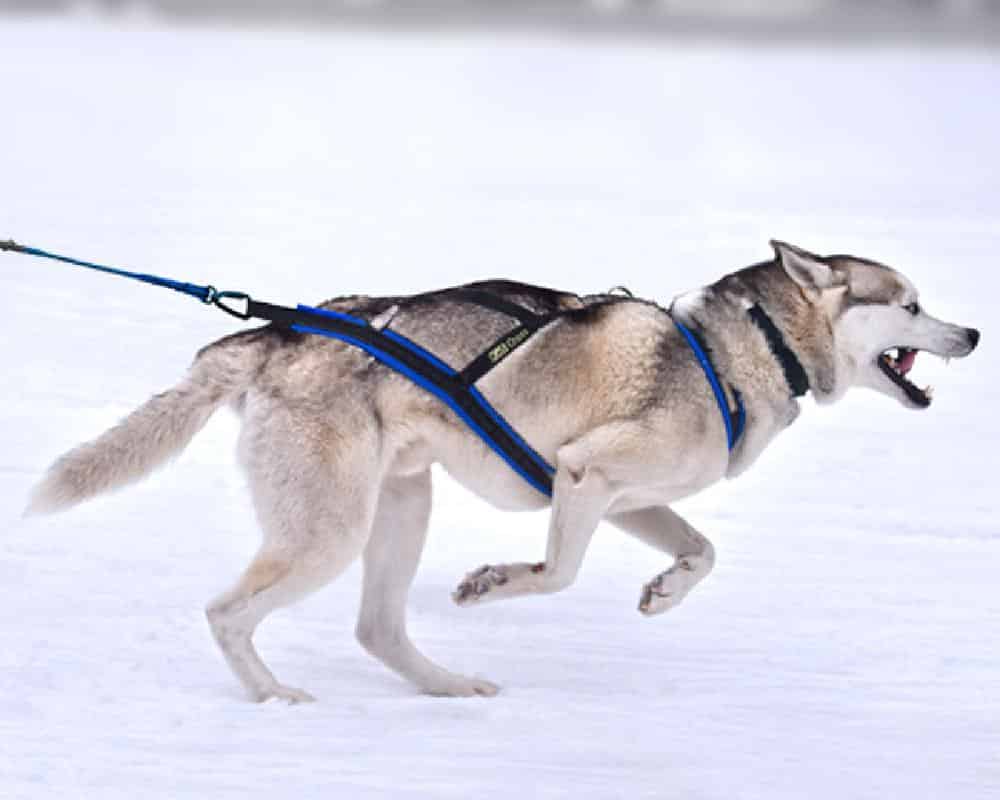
x=807, y=269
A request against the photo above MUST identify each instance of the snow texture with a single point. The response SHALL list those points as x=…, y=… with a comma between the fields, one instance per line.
x=846, y=645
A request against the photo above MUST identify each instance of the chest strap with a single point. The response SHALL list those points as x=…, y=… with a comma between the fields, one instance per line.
x=733, y=419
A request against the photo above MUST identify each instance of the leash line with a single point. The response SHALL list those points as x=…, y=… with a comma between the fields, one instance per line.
x=206, y=294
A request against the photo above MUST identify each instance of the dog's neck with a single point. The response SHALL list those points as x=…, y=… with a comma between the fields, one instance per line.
x=735, y=298
x=795, y=374
x=804, y=326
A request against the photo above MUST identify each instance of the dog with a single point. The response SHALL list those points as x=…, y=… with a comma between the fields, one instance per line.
x=338, y=447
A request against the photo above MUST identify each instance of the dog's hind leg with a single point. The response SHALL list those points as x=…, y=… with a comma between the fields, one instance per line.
x=580, y=497
x=315, y=503
x=266, y=584
x=661, y=528
x=390, y=560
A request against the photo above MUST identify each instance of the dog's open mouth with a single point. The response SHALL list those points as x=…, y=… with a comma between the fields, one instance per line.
x=896, y=363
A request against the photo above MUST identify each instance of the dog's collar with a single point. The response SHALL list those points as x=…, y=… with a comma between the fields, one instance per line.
x=795, y=374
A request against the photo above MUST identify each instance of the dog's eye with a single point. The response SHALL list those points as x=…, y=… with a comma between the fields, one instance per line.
x=913, y=308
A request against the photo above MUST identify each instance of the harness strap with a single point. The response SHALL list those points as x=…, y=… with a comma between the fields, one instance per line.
x=508, y=342
x=500, y=349
x=496, y=302
x=423, y=368
x=734, y=420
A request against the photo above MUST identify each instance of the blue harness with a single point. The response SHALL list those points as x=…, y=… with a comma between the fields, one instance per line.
x=453, y=387
x=734, y=420
x=445, y=383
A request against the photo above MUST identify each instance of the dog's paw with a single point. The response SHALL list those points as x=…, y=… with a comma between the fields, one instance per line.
x=664, y=592
x=286, y=694
x=463, y=687
x=478, y=583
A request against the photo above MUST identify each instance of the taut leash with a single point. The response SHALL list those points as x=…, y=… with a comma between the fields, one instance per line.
x=207, y=294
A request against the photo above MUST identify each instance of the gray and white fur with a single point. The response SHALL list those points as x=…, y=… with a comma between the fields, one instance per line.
x=338, y=448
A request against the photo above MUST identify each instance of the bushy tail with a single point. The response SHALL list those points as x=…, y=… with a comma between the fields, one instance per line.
x=153, y=433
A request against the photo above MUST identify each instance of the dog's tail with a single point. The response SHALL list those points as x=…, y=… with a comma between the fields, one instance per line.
x=156, y=431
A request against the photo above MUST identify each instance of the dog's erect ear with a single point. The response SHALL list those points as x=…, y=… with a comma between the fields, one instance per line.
x=807, y=269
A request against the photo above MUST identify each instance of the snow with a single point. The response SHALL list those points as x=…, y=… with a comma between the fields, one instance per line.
x=846, y=645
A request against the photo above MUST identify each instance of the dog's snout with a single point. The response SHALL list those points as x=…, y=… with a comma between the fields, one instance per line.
x=973, y=336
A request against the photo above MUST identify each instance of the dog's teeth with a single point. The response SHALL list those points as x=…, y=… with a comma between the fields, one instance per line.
x=929, y=391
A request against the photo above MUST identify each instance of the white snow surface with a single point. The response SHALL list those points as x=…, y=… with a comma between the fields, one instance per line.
x=846, y=645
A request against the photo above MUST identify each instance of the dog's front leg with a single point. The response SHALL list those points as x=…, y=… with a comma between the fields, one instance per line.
x=580, y=497
x=661, y=528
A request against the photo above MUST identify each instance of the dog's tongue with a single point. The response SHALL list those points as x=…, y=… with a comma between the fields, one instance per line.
x=905, y=363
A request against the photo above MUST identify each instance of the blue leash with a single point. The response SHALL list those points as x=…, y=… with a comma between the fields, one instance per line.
x=206, y=294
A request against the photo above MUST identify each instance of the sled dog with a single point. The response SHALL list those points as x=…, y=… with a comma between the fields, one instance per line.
x=338, y=447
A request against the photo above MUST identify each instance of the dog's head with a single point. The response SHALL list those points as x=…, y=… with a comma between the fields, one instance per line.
x=877, y=322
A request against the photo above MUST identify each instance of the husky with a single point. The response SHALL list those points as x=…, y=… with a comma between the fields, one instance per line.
x=338, y=447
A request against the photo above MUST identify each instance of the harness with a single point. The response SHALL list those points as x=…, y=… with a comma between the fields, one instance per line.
x=454, y=387
x=734, y=419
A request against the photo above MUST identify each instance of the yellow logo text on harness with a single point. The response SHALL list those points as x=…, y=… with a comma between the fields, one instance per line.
x=507, y=345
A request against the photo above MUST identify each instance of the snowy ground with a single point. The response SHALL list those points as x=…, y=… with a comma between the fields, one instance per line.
x=846, y=646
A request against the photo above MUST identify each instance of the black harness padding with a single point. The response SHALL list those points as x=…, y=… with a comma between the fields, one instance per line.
x=509, y=341
x=795, y=373
x=496, y=353
x=492, y=301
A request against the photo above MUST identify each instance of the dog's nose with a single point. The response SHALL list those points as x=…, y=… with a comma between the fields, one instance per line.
x=973, y=335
